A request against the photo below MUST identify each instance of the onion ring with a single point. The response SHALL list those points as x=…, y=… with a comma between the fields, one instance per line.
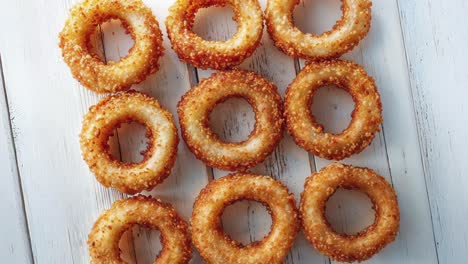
x=88, y=68
x=349, y=248
x=196, y=105
x=214, y=54
x=366, y=117
x=217, y=247
x=158, y=160
x=345, y=35
x=103, y=241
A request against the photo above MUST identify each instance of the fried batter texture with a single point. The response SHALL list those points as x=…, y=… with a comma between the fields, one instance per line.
x=103, y=241
x=88, y=68
x=99, y=124
x=349, y=248
x=214, y=54
x=366, y=117
x=217, y=247
x=196, y=105
x=345, y=35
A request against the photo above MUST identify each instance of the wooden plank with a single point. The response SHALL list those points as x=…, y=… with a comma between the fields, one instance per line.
x=435, y=40
x=167, y=86
x=15, y=246
x=126, y=243
x=63, y=198
x=394, y=152
x=234, y=120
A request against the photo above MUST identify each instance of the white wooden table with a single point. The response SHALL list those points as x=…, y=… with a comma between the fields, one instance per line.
x=416, y=51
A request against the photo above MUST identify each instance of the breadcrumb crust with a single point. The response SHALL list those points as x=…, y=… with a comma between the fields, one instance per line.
x=159, y=158
x=196, y=105
x=88, y=68
x=366, y=117
x=103, y=240
x=343, y=37
x=217, y=55
x=217, y=247
x=322, y=185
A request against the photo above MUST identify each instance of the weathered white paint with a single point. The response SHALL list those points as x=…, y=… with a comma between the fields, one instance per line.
x=435, y=39
x=62, y=198
x=234, y=120
x=394, y=153
x=189, y=175
x=15, y=245
x=49, y=105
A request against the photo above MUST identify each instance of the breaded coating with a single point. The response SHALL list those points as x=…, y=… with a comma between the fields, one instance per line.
x=103, y=241
x=159, y=158
x=217, y=55
x=366, y=117
x=88, y=68
x=341, y=247
x=216, y=247
x=196, y=105
x=343, y=37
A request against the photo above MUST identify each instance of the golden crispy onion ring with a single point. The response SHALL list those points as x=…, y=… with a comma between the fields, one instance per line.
x=346, y=33
x=88, y=68
x=103, y=241
x=214, y=54
x=99, y=124
x=349, y=248
x=217, y=247
x=195, y=107
x=366, y=117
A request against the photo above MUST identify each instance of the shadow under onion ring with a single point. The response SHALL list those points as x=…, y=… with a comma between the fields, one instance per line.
x=366, y=117
x=217, y=247
x=88, y=68
x=349, y=248
x=196, y=105
x=214, y=54
x=103, y=241
x=158, y=159
x=345, y=35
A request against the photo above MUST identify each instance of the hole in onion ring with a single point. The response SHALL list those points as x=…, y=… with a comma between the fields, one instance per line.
x=211, y=23
x=317, y=16
x=332, y=108
x=349, y=211
x=233, y=120
x=126, y=246
x=133, y=142
x=148, y=244
x=140, y=241
x=111, y=41
x=246, y=221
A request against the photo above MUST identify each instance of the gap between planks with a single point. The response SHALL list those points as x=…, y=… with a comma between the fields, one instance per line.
x=311, y=157
x=12, y=137
x=258, y=63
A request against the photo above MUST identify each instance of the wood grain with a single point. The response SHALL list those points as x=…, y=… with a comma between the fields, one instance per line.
x=189, y=175
x=15, y=245
x=435, y=43
x=415, y=51
x=234, y=120
x=394, y=153
x=62, y=197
